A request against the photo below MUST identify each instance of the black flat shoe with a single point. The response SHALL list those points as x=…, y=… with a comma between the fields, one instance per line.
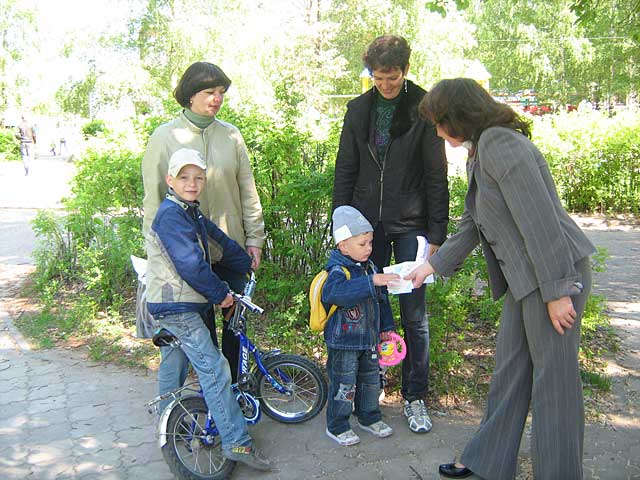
x=450, y=470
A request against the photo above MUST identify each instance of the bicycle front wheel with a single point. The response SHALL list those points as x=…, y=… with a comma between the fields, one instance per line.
x=191, y=451
x=306, y=385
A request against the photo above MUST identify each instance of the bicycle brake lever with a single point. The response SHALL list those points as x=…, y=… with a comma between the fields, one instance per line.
x=253, y=308
x=245, y=301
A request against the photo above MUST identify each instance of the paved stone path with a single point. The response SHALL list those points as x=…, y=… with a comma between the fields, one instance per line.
x=65, y=417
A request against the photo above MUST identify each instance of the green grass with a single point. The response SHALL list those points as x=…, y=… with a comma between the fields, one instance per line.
x=68, y=317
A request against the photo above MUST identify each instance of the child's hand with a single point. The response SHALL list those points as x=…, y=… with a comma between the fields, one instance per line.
x=386, y=336
x=227, y=302
x=384, y=279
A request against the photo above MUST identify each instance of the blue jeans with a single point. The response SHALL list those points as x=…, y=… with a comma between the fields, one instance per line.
x=26, y=152
x=415, y=366
x=353, y=377
x=213, y=374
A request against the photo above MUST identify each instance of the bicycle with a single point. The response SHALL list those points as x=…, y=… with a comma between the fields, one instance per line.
x=288, y=387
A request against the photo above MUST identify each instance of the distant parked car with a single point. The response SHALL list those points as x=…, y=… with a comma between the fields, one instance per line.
x=535, y=109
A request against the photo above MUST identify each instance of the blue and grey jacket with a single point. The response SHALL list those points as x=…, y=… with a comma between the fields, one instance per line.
x=363, y=309
x=179, y=275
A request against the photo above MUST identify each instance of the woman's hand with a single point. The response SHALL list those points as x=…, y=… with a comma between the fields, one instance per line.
x=384, y=279
x=256, y=254
x=418, y=274
x=433, y=249
x=562, y=314
x=227, y=302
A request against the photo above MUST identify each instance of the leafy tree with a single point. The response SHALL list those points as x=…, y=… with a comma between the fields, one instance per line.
x=566, y=50
x=613, y=27
x=172, y=34
x=75, y=98
x=531, y=44
x=358, y=23
x=16, y=41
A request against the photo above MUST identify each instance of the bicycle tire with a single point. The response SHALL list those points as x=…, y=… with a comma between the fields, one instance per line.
x=303, y=377
x=186, y=453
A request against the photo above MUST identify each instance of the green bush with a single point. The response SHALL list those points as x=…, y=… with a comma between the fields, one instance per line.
x=93, y=128
x=294, y=176
x=595, y=159
x=9, y=145
x=92, y=242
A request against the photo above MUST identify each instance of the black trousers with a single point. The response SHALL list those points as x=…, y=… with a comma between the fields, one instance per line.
x=230, y=343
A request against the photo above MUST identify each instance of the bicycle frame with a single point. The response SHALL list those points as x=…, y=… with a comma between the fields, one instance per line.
x=247, y=348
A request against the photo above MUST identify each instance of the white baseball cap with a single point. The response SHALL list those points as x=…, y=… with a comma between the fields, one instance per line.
x=185, y=156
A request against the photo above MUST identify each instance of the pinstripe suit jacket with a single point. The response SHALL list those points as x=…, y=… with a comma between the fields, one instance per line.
x=512, y=209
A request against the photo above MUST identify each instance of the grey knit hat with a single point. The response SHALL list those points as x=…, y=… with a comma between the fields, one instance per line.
x=348, y=222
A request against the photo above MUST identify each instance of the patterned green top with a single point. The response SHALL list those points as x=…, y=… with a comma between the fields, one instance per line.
x=384, y=116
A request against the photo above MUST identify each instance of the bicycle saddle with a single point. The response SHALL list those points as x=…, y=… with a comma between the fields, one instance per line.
x=163, y=338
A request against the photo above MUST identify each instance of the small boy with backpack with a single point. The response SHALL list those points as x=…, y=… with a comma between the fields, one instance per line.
x=181, y=285
x=353, y=331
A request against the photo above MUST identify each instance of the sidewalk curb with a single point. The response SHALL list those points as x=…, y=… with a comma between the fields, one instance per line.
x=13, y=332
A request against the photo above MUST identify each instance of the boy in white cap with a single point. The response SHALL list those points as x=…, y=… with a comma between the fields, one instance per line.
x=180, y=287
x=353, y=332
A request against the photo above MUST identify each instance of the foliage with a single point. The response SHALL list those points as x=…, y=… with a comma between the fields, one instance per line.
x=9, y=145
x=598, y=339
x=294, y=175
x=75, y=98
x=17, y=41
x=612, y=26
x=93, y=128
x=91, y=244
x=165, y=28
x=53, y=255
x=453, y=302
x=594, y=158
x=543, y=48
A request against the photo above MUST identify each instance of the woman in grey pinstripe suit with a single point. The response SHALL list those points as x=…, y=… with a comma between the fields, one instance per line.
x=538, y=258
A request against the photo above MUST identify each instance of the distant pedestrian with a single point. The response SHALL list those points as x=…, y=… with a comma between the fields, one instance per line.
x=27, y=136
x=63, y=141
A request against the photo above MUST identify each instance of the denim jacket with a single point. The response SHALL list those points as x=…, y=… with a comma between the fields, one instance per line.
x=363, y=309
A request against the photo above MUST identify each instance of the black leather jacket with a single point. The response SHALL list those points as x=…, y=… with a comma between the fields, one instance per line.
x=408, y=189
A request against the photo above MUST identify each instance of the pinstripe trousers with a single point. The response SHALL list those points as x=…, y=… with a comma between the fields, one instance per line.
x=537, y=367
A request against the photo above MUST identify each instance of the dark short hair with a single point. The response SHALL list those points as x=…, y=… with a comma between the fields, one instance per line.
x=464, y=109
x=386, y=53
x=199, y=76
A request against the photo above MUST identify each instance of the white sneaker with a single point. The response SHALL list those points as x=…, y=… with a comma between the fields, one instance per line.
x=345, y=438
x=417, y=416
x=379, y=429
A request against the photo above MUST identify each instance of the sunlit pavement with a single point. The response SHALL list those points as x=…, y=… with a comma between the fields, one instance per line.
x=45, y=185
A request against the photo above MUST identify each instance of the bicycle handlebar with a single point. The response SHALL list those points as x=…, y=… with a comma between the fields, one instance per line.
x=246, y=301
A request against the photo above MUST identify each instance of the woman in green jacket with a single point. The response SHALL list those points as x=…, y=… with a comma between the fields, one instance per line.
x=230, y=198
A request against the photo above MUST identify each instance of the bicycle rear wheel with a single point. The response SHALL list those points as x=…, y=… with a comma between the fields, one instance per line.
x=303, y=378
x=191, y=452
